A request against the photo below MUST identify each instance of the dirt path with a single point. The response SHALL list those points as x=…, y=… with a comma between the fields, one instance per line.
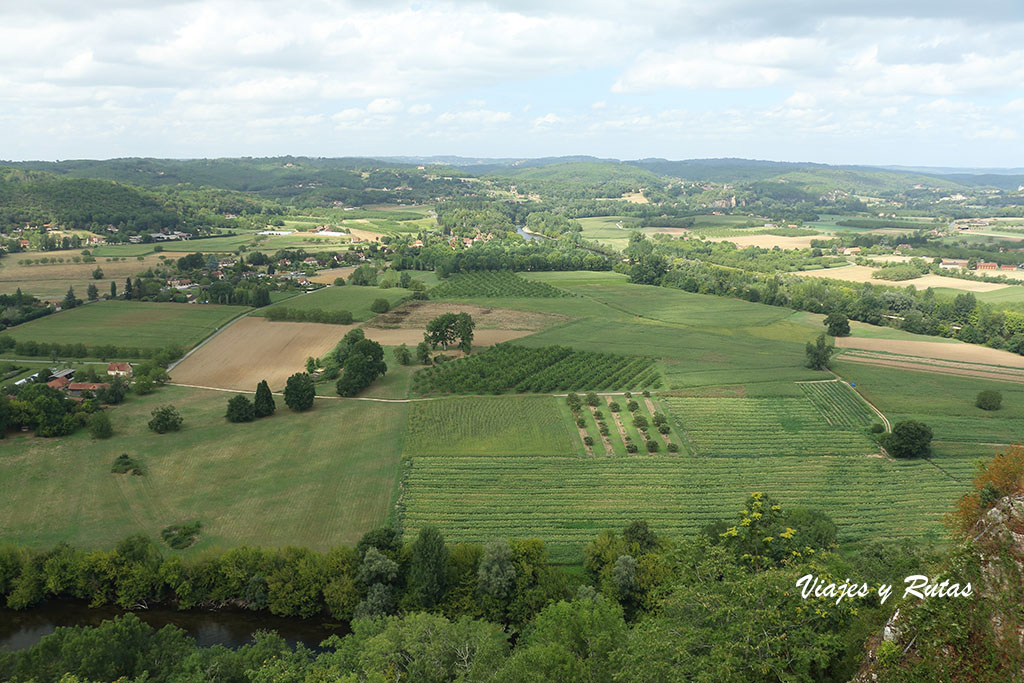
x=608, y=450
x=958, y=353
x=934, y=367
x=618, y=422
x=583, y=435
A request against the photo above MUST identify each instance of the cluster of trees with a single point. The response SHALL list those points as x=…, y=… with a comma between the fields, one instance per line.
x=543, y=255
x=448, y=328
x=308, y=315
x=161, y=356
x=45, y=410
x=360, y=361
x=748, y=258
x=19, y=308
x=242, y=409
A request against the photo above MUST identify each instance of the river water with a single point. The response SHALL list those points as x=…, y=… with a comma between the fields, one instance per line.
x=230, y=628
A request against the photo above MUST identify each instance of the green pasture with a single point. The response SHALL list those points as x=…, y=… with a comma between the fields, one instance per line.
x=290, y=479
x=344, y=298
x=136, y=324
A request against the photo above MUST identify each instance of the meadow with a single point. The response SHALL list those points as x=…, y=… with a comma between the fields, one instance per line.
x=289, y=479
x=503, y=425
x=356, y=300
x=50, y=281
x=135, y=324
x=492, y=284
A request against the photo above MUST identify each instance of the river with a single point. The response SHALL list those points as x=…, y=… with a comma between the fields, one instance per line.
x=230, y=628
x=530, y=236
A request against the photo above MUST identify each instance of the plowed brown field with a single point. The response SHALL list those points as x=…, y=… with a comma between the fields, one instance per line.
x=254, y=349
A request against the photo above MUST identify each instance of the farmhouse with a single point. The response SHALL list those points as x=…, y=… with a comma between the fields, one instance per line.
x=76, y=389
x=1007, y=266
x=950, y=263
x=987, y=265
x=119, y=369
x=60, y=383
x=851, y=251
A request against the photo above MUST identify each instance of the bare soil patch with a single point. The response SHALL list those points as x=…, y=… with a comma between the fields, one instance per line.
x=328, y=276
x=416, y=315
x=938, y=367
x=960, y=353
x=768, y=241
x=861, y=274
x=254, y=349
x=367, y=235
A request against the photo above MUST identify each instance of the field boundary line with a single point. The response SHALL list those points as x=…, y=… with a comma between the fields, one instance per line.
x=210, y=336
x=885, y=420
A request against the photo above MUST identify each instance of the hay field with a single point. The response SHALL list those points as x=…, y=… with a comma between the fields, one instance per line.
x=768, y=241
x=861, y=274
x=289, y=479
x=416, y=315
x=134, y=324
x=253, y=349
x=50, y=282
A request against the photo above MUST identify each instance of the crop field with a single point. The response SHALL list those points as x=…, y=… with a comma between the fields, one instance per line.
x=943, y=402
x=50, y=281
x=356, y=300
x=618, y=429
x=135, y=324
x=254, y=349
x=289, y=479
x=509, y=367
x=763, y=427
x=211, y=244
x=491, y=426
x=566, y=500
x=416, y=314
x=492, y=285
x=839, y=405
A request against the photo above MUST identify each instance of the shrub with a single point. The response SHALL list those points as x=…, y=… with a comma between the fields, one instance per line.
x=165, y=419
x=989, y=400
x=580, y=422
x=632, y=406
x=602, y=429
x=264, y=404
x=663, y=429
x=589, y=441
x=646, y=394
x=673, y=447
x=909, y=439
x=403, y=355
x=380, y=306
x=99, y=425
x=614, y=407
x=640, y=422
x=652, y=446
x=877, y=428
x=240, y=409
x=181, y=536
x=628, y=395
x=598, y=415
x=124, y=463
x=592, y=399
x=339, y=282
x=631, y=448
x=573, y=401
x=659, y=419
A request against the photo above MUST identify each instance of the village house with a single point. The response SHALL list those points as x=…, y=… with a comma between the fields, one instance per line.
x=96, y=239
x=987, y=265
x=952, y=263
x=1007, y=266
x=60, y=383
x=76, y=389
x=851, y=251
x=119, y=369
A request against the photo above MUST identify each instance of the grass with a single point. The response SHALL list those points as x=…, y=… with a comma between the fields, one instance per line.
x=345, y=298
x=50, y=281
x=135, y=324
x=763, y=427
x=290, y=479
x=566, y=501
x=488, y=426
x=211, y=244
x=839, y=405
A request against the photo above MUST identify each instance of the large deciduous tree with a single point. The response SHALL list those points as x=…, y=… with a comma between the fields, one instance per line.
x=299, y=392
x=447, y=328
x=819, y=353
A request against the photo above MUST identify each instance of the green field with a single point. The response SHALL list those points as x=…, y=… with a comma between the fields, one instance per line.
x=211, y=244
x=492, y=426
x=290, y=479
x=839, y=405
x=135, y=324
x=357, y=300
x=763, y=427
x=566, y=501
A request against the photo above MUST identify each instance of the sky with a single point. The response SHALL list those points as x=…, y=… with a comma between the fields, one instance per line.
x=911, y=82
